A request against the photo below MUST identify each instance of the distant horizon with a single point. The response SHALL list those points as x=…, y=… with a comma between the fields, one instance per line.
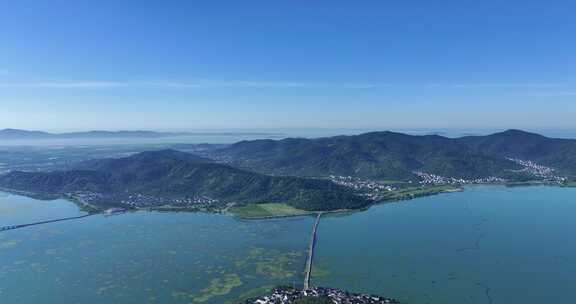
x=324, y=132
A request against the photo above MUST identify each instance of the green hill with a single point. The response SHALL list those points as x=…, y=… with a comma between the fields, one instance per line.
x=389, y=155
x=176, y=175
x=553, y=152
x=382, y=155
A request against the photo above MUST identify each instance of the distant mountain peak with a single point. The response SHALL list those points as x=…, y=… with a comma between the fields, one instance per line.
x=24, y=134
x=515, y=131
x=10, y=130
x=518, y=132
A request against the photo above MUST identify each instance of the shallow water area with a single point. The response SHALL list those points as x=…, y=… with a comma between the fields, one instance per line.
x=145, y=257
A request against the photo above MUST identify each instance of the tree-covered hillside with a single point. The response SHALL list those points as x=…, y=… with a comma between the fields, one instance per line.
x=389, y=155
x=172, y=175
x=553, y=152
x=382, y=155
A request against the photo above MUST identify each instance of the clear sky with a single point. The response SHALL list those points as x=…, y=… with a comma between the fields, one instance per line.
x=76, y=65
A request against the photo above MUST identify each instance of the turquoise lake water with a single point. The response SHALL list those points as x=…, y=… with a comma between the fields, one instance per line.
x=484, y=245
x=143, y=257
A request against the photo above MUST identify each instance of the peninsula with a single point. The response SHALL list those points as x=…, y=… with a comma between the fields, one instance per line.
x=173, y=180
x=291, y=177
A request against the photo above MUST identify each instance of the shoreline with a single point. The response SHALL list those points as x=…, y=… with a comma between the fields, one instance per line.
x=461, y=188
x=343, y=211
x=91, y=209
x=311, y=213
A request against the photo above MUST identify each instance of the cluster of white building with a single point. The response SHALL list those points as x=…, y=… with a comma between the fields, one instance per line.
x=538, y=170
x=372, y=190
x=433, y=179
x=137, y=200
x=146, y=201
x=337, y=296
x=360, y=184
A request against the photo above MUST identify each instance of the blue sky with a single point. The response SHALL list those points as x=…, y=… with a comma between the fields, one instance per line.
x=76, y=65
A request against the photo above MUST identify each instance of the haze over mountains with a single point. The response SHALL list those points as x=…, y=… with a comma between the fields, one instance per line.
x=16, y=134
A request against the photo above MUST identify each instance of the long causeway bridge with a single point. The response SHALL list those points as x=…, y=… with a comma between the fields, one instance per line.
x=311, y=247
x=12, y=227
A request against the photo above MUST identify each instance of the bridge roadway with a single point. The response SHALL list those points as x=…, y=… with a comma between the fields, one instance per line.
x=12, y=227
x=311, y=247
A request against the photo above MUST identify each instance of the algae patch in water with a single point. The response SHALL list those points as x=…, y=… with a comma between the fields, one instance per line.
x=257, y=263
x=219, y=287
x=273, y=264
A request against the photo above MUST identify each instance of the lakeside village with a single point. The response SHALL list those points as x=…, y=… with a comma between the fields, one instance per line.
x=337, y=296
x=537, y=170
x=142, y=201
x=433, y=179
x=376, y=188
x=373, y=190
x=528, y=167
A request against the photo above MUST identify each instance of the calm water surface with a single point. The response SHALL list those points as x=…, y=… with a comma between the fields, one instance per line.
x=484, y=245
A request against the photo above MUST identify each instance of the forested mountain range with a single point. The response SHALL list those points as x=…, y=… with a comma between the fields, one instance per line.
x=389, y=155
